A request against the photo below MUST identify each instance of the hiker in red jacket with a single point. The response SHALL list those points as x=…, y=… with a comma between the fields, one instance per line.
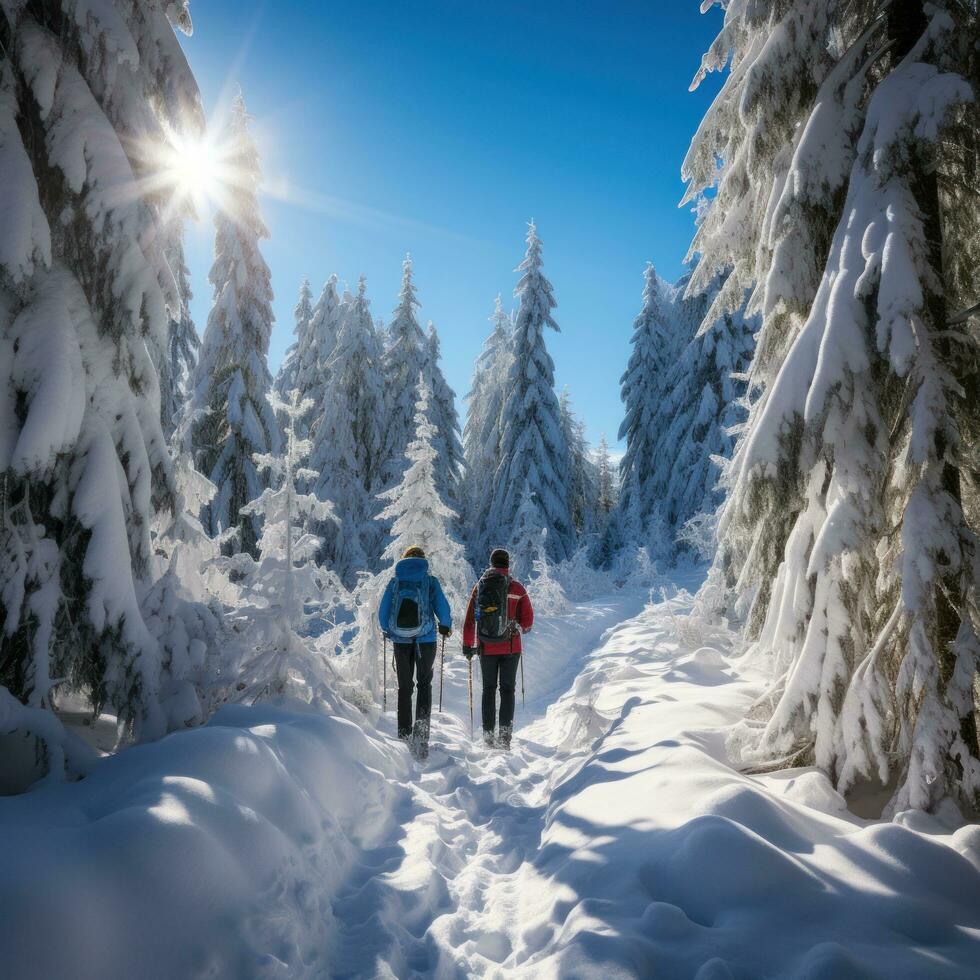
x=498, y=615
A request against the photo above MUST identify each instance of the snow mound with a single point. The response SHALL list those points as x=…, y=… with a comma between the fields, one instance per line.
x=211, y=853
x=658, y=858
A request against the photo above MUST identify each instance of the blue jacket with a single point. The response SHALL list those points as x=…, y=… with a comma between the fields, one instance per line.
x=412, y=570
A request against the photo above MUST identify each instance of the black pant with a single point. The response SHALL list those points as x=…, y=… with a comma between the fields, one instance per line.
x=406, y=661
x=498, y=669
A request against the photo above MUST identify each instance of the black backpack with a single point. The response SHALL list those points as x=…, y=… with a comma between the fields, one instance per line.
x=492, y=623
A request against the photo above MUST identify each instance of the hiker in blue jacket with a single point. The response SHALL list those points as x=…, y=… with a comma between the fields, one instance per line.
x=412, y=605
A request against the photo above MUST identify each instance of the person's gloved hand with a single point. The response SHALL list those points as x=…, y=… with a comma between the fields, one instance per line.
x=445, y=630
x=468, y=652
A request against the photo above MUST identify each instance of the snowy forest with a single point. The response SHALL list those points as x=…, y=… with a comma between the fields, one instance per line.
x=194, y=544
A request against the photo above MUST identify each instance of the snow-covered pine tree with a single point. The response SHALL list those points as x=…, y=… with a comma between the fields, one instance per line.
x=180, y=354
x=406, y=357
x=533, y=455
x=845, y=519
x=85, y=287
x=481, y=434
x=304, y=367
x=698, y=412
x=442, y=410
x=232, y=382
x=348, y=443
x=642, y=388
x=299, y=349
x=286, y=579
x=606, y=486
x=582, y=477
x=417, y=513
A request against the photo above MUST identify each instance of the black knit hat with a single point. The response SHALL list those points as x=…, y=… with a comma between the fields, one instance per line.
x=499, y=558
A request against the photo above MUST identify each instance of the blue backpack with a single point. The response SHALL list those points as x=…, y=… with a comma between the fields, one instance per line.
x=411, y=613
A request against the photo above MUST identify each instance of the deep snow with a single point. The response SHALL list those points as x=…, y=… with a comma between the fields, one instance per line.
x=616, y=840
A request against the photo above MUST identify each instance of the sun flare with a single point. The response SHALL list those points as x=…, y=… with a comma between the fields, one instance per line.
x=195, y=168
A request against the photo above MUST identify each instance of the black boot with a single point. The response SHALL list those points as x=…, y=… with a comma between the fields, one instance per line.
x=503, y=739
x=488, y=739
x=420, y=740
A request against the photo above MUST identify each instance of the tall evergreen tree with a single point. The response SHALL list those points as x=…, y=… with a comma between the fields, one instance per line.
x=582, y=477
x=348, y=442
x=406, y=357
x=232, y=384
x=180, y=354
x=449, y=447
x=299, y=350
x=845, y=523
x=304, y=369
x=417, y=513
x=606, y=490
x=84, y=292
x=481, y=434
x=532, y=471
x=642, y=387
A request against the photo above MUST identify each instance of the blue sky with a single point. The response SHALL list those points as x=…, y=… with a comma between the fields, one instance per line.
x=440, y=128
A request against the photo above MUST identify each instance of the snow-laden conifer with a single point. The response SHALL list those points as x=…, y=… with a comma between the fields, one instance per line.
x=348, y=443
x=234, y=420
x=180, y=354
x=642, y=388
x=845, y=526
x=304, y=367
x=442, y=410
x=606, y=483
x=301, y=347
x=417, y=513
x=286, y=587
x=532, y=471
x=406, y=357
x=582, y=477
x=86, y=292
x=481, y=434
x=698, y=414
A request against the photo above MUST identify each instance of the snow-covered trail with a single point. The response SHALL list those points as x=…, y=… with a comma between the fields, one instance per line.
x=617, y=841
x=468, y=820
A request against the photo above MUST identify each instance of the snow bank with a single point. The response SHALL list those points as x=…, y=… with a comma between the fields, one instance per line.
x=658, y=859
x=213, y=852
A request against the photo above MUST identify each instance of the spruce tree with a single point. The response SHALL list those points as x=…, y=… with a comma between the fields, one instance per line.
x=481, y=434
x=286, y=579
x=234, y=419
x=582, y=477
x=417, y=513
x=606, y=490
x=85, y=289
x=406, y=357
x=304, y=368
x=641, y=387
x=180, y=354
x=348, y=443
x=299, y=349
x=845, y=528
x=449, y=447
x=533, y=466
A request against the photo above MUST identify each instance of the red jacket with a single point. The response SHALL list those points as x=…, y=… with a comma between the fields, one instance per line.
x=519, y=611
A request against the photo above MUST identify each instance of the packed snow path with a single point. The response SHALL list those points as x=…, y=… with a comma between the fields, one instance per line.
x=436, y=896
x=615, y=841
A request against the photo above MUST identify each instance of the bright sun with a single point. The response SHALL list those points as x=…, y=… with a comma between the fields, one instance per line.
x=195, y=169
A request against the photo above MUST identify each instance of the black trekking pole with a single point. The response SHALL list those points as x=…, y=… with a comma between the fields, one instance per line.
x=522, y=679
x=469, y=663
x=442, y=671
x=384, y=671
